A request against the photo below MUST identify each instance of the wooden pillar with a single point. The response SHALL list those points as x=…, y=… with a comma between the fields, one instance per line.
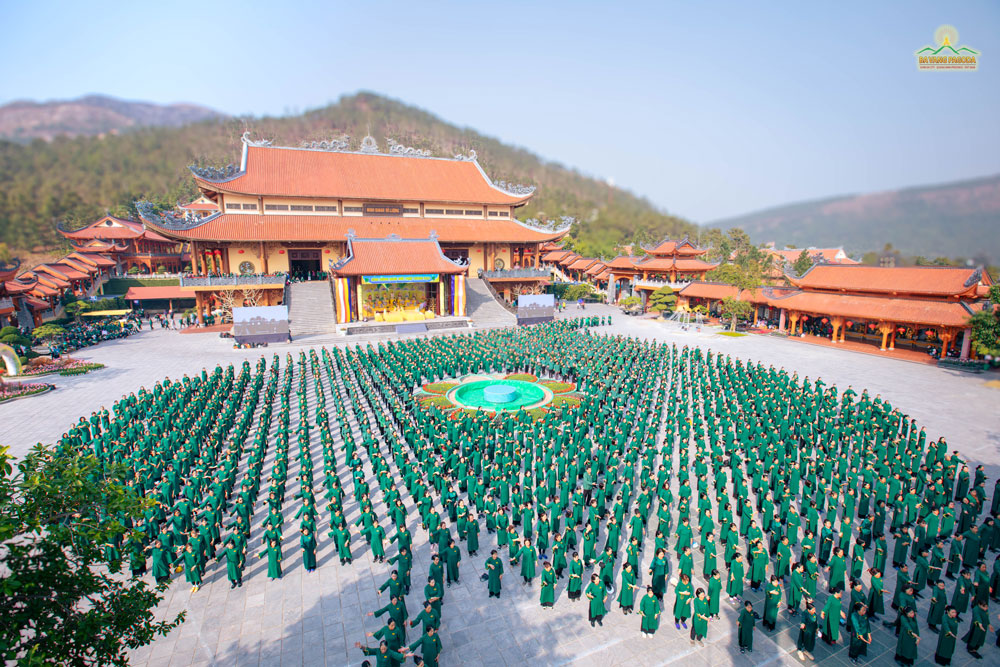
x=837, y=323
x=263, y=259
x=947, y=336
x=538, y=256
x=794, y=317
x=966, y=344
x=781, y=320
x=885, y=328
x=198, y=301
x=892, y=339
x=756, y=314
x=194, y=258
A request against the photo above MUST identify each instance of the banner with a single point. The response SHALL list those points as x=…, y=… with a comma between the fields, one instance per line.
x=260, y=324
x=408, y=278
x=535, y=308
x=343, y=302
x=458, y=295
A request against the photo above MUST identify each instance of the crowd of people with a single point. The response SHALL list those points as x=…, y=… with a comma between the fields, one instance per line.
x=687, y=482
x=94, y=331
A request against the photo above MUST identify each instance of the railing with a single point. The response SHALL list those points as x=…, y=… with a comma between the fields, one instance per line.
x=499, y=299
x=230, y=281
x=527, y=272
x=657, y=284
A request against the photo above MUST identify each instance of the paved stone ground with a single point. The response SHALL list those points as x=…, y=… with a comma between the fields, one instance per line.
x=314, y=619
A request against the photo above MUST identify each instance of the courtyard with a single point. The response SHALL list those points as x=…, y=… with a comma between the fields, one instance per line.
x=316, y=618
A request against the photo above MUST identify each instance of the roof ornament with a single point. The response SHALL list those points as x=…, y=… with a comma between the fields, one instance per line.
x=471, y=157
x=169, y=219
x=399, y=149
x=260, y=143
x=552, y=225
x=342, y=145
x=216, y=174
x=514, y=189
x=369, y=145
x=976, y=276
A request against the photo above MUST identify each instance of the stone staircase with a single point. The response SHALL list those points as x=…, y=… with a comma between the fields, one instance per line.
x=484, y=310
x=310, y=308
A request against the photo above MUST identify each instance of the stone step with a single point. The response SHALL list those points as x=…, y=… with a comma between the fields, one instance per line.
x=310, y=309
x=483, y=309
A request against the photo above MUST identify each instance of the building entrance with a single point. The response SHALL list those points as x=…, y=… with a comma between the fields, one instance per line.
x=301, y=262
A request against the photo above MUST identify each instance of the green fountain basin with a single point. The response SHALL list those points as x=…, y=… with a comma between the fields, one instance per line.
x=499, y=395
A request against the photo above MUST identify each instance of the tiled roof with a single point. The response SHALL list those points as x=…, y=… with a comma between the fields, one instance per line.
x=157, y=292
x=291, y=172
x=673, y=264
x=16, y=287
x=555, y=255
x=929, y=280
x=246, y=227
x=828, y=255
x=549, y=246
x=597, y=268
x=98, y=260
x=683, y=248
x=707, y=290
x=108, y=227
x=581, y=264
x=876, y=308
x=199, y=206
x=624, y=262
x=37, y=304
x=79, y=265
x=394, y=256
x=69, y=271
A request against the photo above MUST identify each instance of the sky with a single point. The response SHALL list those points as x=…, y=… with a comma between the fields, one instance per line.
x=710, y=110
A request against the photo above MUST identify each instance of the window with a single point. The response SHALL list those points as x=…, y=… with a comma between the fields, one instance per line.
x=453, y=211
x=494, y=214
x=249, y=207
x=434, y=211
x=353, y=209
x=233, y=206
x=473, y=212
x=275, y=207
x=326, y=209
x=299, y=207
x=411, y=210
x=503, y=214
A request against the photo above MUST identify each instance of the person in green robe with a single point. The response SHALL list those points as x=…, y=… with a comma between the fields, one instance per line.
x=596, y=593
x=806, y=642
x=772, y=600
x=494, y=574
x=735, y=586
x=452, y=557
x=548, y=593
x=699, y=621
x=947, y=637
x=234, y=563
x=978, y=628
x=308, y=543
x=528, y=557
x=909, y=637
x=429, y=645
x=626, y=596
x=939, y=606
x=861, y=635
x=714, y=593
x=658, y=573
x=384, y=656
x=683, y=593
x=830, y=617
x=649, y=611
x=876, y=594
x=574, y=587
x=745, y=625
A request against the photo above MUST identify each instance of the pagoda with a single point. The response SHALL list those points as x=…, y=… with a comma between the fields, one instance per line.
x=131, y=244
x=667, y=264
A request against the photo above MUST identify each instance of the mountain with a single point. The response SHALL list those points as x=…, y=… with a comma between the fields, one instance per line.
x=92, y=115
x=952, y=220
x=76, y=179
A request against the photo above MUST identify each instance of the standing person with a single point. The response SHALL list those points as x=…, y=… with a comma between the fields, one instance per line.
x=772, y=600
x=575, y=586
x=909, y=637
x=861, y=635
x=745, y=624
x=714, y=593
x=699, y=622
x=528, y=557
x=649, y=610
x=596, y=593
x=976, y=636
x=308, y=542
x=947, y=637
x=807, y=632
x=548, y=593
x=494, y=567
x=735, y=586
x=831, y=615
x=626, y=597
x=452, y=557
x=683, y=593
x=429, y=644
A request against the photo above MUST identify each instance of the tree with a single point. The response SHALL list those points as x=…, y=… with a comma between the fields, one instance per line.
x=747, y=272
x=662, y=300
x=802, y=263
x=985, y=326
x=578, y=291
x=75, y=308
x=734, y=308
x=62, y=602
x=630, y=301
x=48, y=331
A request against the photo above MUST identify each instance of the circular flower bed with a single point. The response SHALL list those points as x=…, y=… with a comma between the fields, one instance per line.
x=64, y=366
x=10, y=391
x=465, y=396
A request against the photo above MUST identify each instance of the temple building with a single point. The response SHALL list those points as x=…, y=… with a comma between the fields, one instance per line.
x=667, y=264
x=129, y=243
x=919, y=307
x=293, y=210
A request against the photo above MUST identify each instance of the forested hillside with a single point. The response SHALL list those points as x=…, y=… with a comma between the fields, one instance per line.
x=76, y=179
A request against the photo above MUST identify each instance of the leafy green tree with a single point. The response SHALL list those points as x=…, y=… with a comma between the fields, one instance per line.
x=578, y=291
x=735, y=308
x=48, y=331
x=630, y=301
x=75, y=308
x=62, y=603
x=662, y=300
x=802, y=263
x=985, y=326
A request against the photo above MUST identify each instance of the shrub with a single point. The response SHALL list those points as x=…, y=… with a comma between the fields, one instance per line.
x=439, y=387
x=523, y=377
x=558, y=387
x=565, y=401
x=133, y=271
x=437, y=401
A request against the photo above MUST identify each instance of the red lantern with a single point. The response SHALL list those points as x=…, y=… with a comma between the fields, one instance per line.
x=805, y=318
x=240, y=251
x=901, y=330
x=217, y=252
x=824, y=320
x=850, y=323
x=327, y=251
x=281, y=252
